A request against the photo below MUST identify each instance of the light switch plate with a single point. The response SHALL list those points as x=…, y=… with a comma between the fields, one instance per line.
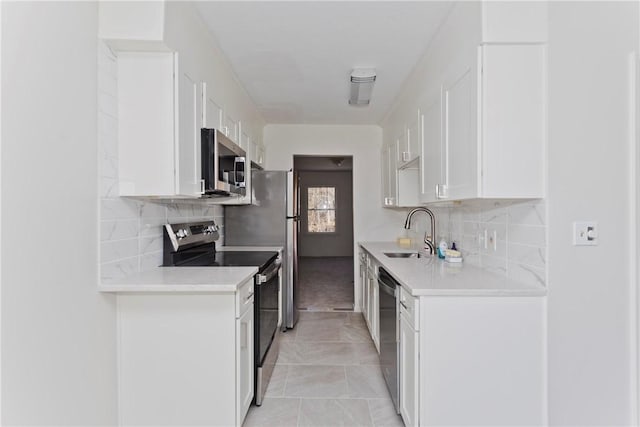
x=585, y=233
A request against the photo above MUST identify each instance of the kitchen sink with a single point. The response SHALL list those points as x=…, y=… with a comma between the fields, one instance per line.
x=403, y=254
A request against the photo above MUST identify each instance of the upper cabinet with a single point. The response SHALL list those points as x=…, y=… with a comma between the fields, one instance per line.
x=475, y=106
x=189, y=118
x=212, y=112
x=485, y=133
x=399, y=186
x=172, y=81
x=159, y=119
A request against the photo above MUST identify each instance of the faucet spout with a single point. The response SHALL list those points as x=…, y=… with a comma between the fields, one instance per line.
x=429, y=241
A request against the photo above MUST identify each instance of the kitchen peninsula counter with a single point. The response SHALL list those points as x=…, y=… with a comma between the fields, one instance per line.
x=432, y=276
x=182, y=279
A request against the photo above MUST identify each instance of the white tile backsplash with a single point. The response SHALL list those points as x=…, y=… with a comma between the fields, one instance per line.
x=130, y=230
x=520, y=227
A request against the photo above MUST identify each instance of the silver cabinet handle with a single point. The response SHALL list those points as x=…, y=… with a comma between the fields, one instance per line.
x=405, y=156
x=202, y=186
x=248, y=297
x=402, y=304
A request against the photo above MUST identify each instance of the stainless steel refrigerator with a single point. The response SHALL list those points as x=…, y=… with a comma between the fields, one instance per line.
x=272, y=220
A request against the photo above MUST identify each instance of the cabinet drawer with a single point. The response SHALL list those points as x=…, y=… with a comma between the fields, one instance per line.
x=408, y=306
x=244, y=297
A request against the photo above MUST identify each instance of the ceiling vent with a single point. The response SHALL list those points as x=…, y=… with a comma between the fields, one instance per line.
x=361, y=86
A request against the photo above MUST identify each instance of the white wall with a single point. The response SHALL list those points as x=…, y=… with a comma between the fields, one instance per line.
x=590, y=316
x=371, y=222
x=58, y=332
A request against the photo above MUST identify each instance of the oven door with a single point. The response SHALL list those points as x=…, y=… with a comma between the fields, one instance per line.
x=266, y=306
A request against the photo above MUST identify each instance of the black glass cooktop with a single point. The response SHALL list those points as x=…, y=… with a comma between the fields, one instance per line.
x=258, y=259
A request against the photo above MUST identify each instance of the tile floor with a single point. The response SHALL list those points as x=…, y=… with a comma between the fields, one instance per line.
x=325, y=283
x=327, y=374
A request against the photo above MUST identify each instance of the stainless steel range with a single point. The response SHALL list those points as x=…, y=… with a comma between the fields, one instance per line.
x=193, y=245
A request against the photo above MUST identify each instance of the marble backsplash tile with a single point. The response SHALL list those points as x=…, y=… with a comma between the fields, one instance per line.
x=520, y=230
x=130, y=230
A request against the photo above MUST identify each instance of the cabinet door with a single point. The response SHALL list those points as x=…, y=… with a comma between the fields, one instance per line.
x=230, y=127
x=363, y=286
x=244, y=364
x=513, y=117
x=408, y=364
x=384, y=168
x=189, y=153
x=461, y=140
x=375, y=313
x=365, y=298
x=244, y=139
x=393, y=174
x=212, y=110
x=260, y=155
x=414, y=136
x=433, y=159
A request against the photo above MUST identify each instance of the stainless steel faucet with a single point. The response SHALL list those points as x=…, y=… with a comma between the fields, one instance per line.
x=429, y=241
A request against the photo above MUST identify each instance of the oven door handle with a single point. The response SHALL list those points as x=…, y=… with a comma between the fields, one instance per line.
x=269, y=274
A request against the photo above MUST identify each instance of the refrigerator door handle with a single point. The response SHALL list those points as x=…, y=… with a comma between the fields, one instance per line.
x=294, y=217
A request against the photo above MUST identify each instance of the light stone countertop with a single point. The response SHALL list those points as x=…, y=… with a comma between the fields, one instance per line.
x=433, y=276
x=182, y=279
x=249, y=248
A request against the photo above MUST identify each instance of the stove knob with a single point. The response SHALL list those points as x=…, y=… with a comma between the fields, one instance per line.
x=181, y=233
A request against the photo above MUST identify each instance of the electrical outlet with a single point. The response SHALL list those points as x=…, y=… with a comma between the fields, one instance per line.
x=585, y=233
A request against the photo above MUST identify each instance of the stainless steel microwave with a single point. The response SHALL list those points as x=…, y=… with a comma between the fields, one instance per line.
x=223, y=165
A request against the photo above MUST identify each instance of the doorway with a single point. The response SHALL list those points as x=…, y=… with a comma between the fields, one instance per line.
x=325, y=235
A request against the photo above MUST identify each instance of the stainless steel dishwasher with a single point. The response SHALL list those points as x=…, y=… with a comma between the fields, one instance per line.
x=387, y=286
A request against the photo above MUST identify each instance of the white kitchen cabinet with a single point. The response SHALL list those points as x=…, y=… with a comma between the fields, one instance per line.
x=386, y=171
x=461, y=142
x=363, y=282
x=244, y=359
x=492, y=142
x=408, y=360
x=212, y=109
x=189, y=118
x=261, y=155
x=159, y=117
x=256, y=153
x=482, y=361
x=432, y=169
x=245, y=140
x=475, y=358
x=146, y=124
x=185, y=358
x=373, y=316
x=410, y=143
x=399, y=186
x=230, y=127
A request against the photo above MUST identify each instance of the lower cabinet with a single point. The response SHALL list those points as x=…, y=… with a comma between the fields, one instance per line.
x=408, y=361
x=475, y=359
x=481, y=362
x=372, y=316
x=244, y=361
x=185, y=358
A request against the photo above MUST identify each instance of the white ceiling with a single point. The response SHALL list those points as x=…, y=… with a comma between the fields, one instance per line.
x=294, y=58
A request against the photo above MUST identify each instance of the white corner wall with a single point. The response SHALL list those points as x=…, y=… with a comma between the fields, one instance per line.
x=591, y=363
x=58, y=333
x=371, y=222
